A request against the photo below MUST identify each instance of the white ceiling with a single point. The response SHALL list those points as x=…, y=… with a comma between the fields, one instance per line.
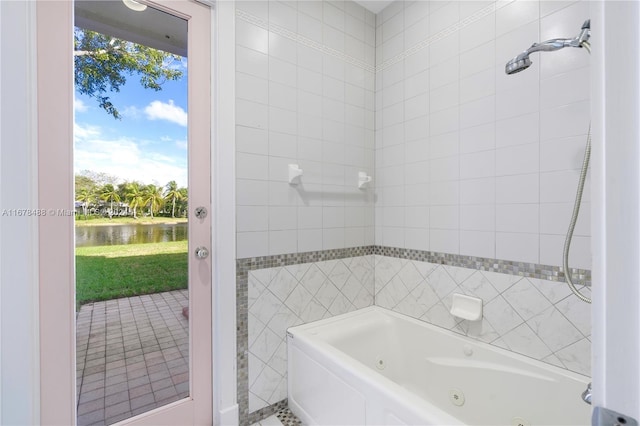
x=374, y=5
x=151, y=27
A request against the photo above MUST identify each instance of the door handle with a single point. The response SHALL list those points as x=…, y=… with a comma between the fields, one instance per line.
x=202, y=252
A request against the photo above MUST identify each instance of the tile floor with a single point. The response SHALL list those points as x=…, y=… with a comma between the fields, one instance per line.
x=132, y=356
x=269, y=421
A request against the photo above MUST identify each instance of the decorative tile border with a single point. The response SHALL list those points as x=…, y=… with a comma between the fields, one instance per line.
x=281, y=31
x=277, y=408
x=243, y=266
x=287, y=418
x=529, y=270
x=492, y=8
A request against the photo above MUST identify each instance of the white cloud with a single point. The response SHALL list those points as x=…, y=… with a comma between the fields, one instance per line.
x=85, y=131
x=131, y=112
x=79, y=106
x=182, y=144
x=158, y=110
x=125, y=159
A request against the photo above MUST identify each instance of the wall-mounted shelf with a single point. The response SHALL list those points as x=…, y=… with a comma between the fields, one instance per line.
x=363, y=180
x=295, y=173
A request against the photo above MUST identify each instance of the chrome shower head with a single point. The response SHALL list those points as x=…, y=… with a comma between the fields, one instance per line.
x=522, y=61
x=517, y=64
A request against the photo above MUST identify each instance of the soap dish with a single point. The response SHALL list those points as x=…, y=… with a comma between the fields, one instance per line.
x=466, y=307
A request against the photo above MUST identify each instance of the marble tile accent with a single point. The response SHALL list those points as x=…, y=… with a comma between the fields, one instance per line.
x=285, y=296
x=536, y=318
x=311, y=270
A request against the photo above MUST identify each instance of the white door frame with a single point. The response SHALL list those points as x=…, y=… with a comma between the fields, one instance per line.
x=224, y=223
x=616, y=207
x=57, y=356
x=56, y=238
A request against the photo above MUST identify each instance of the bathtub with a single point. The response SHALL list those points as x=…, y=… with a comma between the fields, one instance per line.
x=377, y=367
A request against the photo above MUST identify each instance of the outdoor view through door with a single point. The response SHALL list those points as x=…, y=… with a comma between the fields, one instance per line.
x=131, y=192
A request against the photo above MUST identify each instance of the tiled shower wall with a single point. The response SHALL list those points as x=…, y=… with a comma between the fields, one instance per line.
x=469, y=160
x=305, y=95
x=472, y=168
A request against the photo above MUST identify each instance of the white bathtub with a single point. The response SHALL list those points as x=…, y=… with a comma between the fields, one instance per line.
x=377, y=367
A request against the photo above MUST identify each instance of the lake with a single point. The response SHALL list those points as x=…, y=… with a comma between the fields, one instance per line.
x=105, y=235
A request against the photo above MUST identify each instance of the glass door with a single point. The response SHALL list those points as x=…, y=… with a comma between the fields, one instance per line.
x=142, y=200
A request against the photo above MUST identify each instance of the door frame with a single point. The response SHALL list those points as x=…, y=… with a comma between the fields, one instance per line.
x=54, y=109
x=615, y=85
x=225, y=403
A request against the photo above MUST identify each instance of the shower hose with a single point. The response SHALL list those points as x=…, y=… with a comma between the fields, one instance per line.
x=576, y=211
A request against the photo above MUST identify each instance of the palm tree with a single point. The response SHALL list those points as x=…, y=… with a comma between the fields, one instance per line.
x=183, y=202
x=86, y=197
x=153, y=198
x=172, y=194
x=135, y=197
x=109, y=193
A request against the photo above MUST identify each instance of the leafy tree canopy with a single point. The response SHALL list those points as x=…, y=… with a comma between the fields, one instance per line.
x=102, y=63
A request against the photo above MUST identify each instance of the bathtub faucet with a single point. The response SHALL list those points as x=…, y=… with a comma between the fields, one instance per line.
x=586, y=395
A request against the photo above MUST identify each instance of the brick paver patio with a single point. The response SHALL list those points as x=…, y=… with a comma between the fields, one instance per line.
x=132, y=356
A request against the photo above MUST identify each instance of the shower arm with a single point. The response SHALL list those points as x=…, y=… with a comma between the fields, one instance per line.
x=522, y=61
x=559, y=43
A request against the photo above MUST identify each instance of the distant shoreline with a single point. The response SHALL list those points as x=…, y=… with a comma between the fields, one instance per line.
x=129, y=221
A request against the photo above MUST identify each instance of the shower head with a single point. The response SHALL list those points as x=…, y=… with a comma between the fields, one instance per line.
x=522, y=61
x=519, y=63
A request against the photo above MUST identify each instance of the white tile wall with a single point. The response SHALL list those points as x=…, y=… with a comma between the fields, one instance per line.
x=465, y=160
x=305, y=95
x=497, y=155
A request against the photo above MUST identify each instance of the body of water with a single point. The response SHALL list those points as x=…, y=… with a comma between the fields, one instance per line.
x=105, y=235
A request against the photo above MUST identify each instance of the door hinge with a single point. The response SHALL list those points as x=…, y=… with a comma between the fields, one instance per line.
x=606, y=417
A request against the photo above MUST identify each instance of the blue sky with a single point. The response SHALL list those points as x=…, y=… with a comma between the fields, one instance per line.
x=148, y=144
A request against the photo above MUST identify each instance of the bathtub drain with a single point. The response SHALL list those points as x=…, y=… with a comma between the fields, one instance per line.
x=380, y=364
x=456, y=397
x=519, y=421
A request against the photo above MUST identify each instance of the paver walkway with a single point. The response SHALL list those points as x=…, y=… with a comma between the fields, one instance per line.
x=132, y=356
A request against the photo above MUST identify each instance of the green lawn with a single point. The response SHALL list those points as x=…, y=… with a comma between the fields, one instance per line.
x=110, y=272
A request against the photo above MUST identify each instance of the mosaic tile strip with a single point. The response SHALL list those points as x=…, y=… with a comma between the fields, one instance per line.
x=253, y=263
x=287, y=418
x=540, y=319
x=242, y=343
x=529, y=270
x=265, y=412
x=269, y=26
